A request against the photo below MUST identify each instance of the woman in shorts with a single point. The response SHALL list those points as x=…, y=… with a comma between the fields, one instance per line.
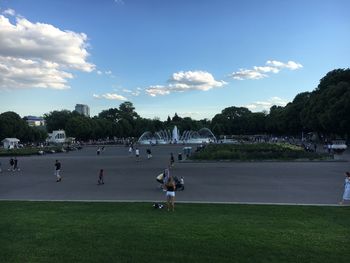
x=170, y=193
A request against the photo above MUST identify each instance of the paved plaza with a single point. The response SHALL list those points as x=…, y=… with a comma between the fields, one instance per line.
x=129, y=180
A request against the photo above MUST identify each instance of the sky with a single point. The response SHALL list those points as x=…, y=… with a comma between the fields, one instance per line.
x=190, y=57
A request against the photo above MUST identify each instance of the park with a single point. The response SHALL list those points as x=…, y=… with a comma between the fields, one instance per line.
x=288, y=209
x=174, y=131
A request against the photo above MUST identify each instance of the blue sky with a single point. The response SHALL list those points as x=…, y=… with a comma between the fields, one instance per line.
x=190, y=57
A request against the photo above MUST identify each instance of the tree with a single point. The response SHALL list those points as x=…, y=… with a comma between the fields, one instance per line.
x=57, y=120
x=327, y=110
x=80, y=127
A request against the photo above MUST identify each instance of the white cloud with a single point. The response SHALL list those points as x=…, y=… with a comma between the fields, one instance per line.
x=23, y=73
x=109, y=96
x=289, y=65
x=51, y=52
x=185, y=81
x=266, y=69
x=99, y=72
x=108, y=72
x=259, y=72
x=9, y=12
x=247, y=74
x=157, y=90
x=266, y=105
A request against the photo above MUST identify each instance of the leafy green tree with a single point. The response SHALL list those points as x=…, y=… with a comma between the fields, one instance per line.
x=57, y=120
x=11, y=125
x=80, y=127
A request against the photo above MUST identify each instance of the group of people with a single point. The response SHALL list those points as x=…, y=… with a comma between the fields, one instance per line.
x=13, y=165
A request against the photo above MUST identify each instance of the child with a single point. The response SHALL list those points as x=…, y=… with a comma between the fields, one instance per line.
x=100, y=177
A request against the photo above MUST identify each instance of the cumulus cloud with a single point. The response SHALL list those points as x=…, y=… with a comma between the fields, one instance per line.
x=259, y=72
x=23, y=73
x=109, y=96
x=266, y=105
x=47, y=48
x=185, y=81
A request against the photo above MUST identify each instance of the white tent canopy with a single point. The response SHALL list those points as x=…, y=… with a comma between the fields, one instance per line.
x=10, y=143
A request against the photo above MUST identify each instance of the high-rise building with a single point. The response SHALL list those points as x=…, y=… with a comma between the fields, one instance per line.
x=83, y=109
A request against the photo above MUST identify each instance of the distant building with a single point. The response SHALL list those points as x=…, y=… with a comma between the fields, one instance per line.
x=83, y=109
x=34, y=121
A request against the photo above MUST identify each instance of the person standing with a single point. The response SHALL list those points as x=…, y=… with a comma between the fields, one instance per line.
x=100, y=177
x=57, y=171
x=346, y=195
x=170, y=193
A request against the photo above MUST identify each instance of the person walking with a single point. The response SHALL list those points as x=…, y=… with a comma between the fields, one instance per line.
x=137, y=154
x=172, y=159
x=15, y=164
x=57, y=171
x=149, y=154
x=12, y=163
x=100, y=177
x=346, y=195
x=170, y=193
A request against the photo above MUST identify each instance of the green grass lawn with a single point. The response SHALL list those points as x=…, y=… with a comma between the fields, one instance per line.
x=135, y=232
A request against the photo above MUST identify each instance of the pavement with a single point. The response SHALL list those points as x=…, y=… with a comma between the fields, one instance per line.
x=128, y=179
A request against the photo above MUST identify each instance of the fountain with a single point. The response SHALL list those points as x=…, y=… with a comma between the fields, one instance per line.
x=204, y=135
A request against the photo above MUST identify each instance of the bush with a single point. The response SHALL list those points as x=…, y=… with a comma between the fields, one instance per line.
x=259, y=151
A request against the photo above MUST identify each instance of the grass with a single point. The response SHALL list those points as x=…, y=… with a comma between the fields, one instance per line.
x=135, y=232
x=257, y=151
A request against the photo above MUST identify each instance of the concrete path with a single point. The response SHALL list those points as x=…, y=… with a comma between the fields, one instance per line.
x=129, y=180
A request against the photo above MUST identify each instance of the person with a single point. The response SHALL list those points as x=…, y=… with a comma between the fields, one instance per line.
x=15, y=164
x=100, y=177
x=130, y=150
x=172, y=160
x=12, y=163
x=170, y=193
x=166, y=175
x=98, y=151
x=0, y=167
x=346, y=195
x=137, y=154
x=149, y=154
x=57, y=171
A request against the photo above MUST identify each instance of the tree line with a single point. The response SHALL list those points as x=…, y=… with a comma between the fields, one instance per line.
x=325, y=110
